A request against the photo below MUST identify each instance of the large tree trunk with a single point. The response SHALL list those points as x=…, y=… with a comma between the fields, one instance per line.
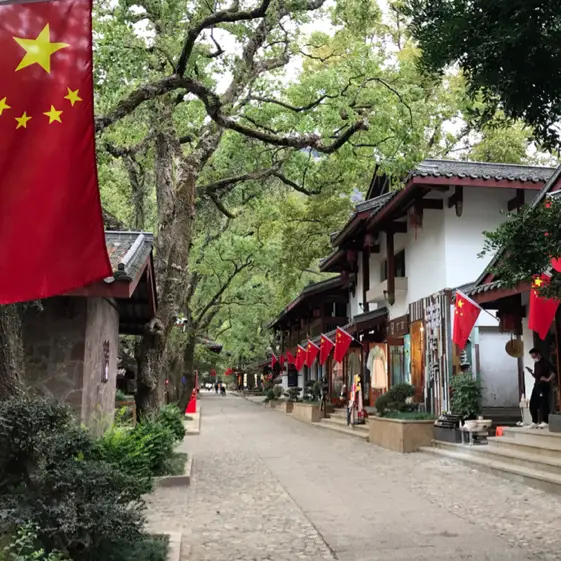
x=11, y=350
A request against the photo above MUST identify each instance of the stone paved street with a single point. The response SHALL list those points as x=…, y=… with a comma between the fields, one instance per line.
x=268, y=487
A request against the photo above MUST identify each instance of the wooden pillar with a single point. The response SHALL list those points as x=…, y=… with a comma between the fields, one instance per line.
x=365, y=277
x=391, y=267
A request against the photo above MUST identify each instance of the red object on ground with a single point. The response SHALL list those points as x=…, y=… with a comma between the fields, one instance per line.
x=51, y=223
x=541, y=310
x=499, y=431
x=192, y=405
x=466, y=313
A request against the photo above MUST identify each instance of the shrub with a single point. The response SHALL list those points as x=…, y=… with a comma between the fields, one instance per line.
x=292, y=393
x=53, y=478
x=270, y=395
x=120, y=395
x=171, y=417
x=277, y=392
x=395, y=399
x=466, y=396
x=25, y=547
x=410, y=415
x=158, y=441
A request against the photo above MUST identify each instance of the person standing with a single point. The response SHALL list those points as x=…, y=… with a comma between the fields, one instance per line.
x=539, y=400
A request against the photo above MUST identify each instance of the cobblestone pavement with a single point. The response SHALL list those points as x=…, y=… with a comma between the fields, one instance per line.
x=269, y=488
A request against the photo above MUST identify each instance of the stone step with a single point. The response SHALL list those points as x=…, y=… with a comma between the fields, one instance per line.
x=534, y=437
x=506, y=443
x=343, y=422
x=357, y=431
x=514, y=457
x=539, y=479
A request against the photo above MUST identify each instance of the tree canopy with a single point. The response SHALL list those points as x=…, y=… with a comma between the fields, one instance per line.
x=508, y=50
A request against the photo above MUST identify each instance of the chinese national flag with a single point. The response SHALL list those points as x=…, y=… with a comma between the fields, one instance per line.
x=281, y=360
x=325, y=347
x=466, y=313
x=51, y=225
x=300, y=358
x=289, y=358
x=312, y=353
x=542, y=310
x=274, y=361
x=342, y=343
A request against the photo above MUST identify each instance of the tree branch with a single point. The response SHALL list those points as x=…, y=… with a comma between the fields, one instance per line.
x=212, y=188
x=295, y=186
x=221, y=207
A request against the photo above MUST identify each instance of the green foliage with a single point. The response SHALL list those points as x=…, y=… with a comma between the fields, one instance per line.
x=277, y=391
x=292, y=393
x=25, y=547
x=526, y=242
x=158, y=441
x=120, y=395
x=507, y=49
x=53, y=479
x=395, y=399
x=409, y=415
x=271, y=395
x=170, y=416
x=466, y=396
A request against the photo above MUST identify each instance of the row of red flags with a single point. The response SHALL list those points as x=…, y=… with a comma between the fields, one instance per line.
x=307, y=356
x=541, y=311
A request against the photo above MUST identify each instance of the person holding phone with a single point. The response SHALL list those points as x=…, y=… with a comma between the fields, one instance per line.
x=539, y=401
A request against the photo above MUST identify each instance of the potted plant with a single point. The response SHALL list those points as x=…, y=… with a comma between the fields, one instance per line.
x=466, y=396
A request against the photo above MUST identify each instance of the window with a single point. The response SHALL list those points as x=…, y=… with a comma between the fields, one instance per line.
x=399, y=266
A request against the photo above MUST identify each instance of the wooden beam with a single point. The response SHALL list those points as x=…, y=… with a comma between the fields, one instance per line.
x=517, y=201
x=457, y=200
x=439, y=188
x=397, y=228
x=391, y=268
x=431, y=204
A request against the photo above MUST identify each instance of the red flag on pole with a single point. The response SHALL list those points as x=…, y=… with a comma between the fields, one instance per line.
x=542, y=310
x=51, y=223
x=466, y=312
x=289, y=358
x=342, y=343
x=556, y=264
x=325, y=347
x=312, y=353
x=274, y=360
x=281, y=360
x=300, y=358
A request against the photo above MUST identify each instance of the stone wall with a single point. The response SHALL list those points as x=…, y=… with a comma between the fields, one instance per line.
x=102, y=328
x=54, y=342
x=64, y=354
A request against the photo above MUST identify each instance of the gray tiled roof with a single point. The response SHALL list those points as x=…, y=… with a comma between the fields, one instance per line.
x=128, y=252
x=482, y=170
x=376, y=202
x=484, y=288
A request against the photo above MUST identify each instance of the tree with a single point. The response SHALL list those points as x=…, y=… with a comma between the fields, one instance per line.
x=508, y=50
x=525, y=244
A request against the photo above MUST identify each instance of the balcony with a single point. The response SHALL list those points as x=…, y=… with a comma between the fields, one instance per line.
x=378, y=292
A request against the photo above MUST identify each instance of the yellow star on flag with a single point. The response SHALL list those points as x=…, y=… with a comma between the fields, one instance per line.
x=23, y=120
x=4, y=105
x=538, y=282
x=73, y=96
x=53, y=115
x=39, y=50
x=460, y=303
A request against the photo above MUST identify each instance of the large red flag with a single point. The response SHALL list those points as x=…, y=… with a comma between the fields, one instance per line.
x=51, y=225
x=300, y=358
x=342, y=343
x=289, y=358
x=466, y=313
x=325, y=347
x=311, y=354
x=542, y=310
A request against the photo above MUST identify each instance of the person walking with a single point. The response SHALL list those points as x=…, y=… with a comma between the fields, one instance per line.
x=539, y=400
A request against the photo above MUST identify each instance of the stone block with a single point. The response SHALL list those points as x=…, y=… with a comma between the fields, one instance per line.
x=308, y=412
x=398, y=435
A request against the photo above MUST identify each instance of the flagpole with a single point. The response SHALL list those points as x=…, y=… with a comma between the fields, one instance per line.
x=476, y=304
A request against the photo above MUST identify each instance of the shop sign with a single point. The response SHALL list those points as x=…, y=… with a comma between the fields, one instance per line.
x=398, y=327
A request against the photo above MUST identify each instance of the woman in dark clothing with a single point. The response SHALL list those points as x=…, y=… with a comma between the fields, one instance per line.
x=539, y=400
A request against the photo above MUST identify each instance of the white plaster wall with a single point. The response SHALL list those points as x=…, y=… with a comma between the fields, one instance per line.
x=463, y=236
x=356, y=299
x=528, y=339
x=499, y=371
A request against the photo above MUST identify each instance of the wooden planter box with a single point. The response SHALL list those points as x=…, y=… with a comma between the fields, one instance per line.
x=286, y=406
x=398, y=435
x=308, y=412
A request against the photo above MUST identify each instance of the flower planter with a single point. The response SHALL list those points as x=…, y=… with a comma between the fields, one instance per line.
x=286, y=406
x=308, y=412
x=398, y=435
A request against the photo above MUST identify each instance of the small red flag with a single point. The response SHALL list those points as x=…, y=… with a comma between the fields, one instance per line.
x=51, y=223
x=542, y=310
x=300, y=358
x=281, y=360
x=466, y=312
x=325, y=345
x=312, y=353
x=289, y=358
x=274, y=360
x=556, y=264
x=342, y=343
